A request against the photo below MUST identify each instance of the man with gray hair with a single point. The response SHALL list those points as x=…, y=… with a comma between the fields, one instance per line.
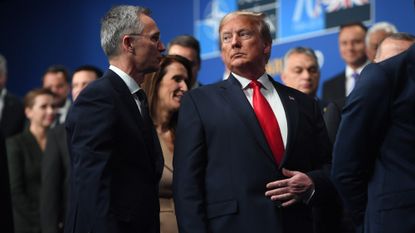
x=116, y=159
x=393, y=45
x=12, y=118
x=301, y=71
x=375, y=35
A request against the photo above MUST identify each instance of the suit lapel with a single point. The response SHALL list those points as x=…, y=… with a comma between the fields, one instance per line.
x=238, y=102
x=127, y=98
x=291, y=114
x=147, y=130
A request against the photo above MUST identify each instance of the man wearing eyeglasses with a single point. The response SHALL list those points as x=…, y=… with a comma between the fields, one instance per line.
x=249, y=152
x=116, y=160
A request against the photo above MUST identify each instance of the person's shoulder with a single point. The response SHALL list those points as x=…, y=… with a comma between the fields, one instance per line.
x=18, y=139
x=291, y=91
x=13, y=99
x=99, y=88
x=208, y=88
x=12, y=96
x=57, y=131
x=339, y=77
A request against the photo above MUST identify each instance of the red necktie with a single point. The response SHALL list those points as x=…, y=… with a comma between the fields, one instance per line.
x=268, y=122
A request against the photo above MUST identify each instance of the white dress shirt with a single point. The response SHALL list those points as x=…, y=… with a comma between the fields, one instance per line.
x=350, y=81
x=130, y=82
x=274, y=100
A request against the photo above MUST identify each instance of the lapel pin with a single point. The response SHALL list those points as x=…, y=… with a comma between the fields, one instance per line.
x=291, y=98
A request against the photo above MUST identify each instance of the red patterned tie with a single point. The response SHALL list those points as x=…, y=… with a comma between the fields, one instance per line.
x=268, y=122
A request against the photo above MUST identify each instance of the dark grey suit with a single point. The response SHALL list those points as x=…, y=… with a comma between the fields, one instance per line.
x=24, y=157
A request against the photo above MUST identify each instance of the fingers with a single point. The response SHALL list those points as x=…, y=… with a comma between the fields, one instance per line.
x=277, y=184
x=276, y=192
x=288, y=173
x=286, y=199
x=289, y=191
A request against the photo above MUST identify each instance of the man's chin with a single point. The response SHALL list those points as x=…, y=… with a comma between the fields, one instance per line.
x=60, y=103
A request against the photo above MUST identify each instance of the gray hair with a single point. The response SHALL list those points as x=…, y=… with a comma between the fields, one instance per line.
x=388, y=28
x=300, y=50
x=119, y=21
x=3, y=65
x=402, y=36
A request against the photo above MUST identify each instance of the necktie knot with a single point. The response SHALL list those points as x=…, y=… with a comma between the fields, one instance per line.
x=142, y=98
x=356, y=76
x=254, y=84
x=141, y=95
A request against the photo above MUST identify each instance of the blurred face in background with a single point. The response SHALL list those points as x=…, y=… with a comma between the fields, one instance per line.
x=80, y=80
x=301, y=72
x=352, y=46
x=188, y=53
x=57, y=83
x=42, y=112
x=172, y=86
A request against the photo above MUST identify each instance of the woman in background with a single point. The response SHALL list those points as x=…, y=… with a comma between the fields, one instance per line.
x=164, y=90
x=24, y=154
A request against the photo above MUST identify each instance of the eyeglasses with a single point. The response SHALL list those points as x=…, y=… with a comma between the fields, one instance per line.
x=154, y=38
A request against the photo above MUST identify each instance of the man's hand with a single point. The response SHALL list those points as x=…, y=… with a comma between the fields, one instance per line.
x=290, y=190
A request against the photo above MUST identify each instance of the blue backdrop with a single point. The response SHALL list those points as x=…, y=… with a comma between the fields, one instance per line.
x=36, y=34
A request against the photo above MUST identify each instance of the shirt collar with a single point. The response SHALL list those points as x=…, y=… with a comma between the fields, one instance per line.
x=263, y=79
x=3, y=92
x=350, y=71
x=128, y=80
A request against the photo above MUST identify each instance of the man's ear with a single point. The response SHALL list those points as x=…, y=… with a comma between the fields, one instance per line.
x=267, y=48
x=283, y=77
x=127, y=44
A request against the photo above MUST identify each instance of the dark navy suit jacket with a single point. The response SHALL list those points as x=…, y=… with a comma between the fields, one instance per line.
x=374, y=155
x=116, y=162
x=222, y=162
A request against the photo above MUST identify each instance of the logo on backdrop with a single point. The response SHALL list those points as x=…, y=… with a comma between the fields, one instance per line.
x=288, y=20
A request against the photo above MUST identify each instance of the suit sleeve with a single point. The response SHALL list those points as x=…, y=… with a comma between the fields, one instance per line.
x=189, y=162
x=52, y=180
x=90, y=127
x=359, y=137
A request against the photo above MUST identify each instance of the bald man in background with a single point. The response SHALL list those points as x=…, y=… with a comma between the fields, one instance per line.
x=375, y=35
x=393, y=45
